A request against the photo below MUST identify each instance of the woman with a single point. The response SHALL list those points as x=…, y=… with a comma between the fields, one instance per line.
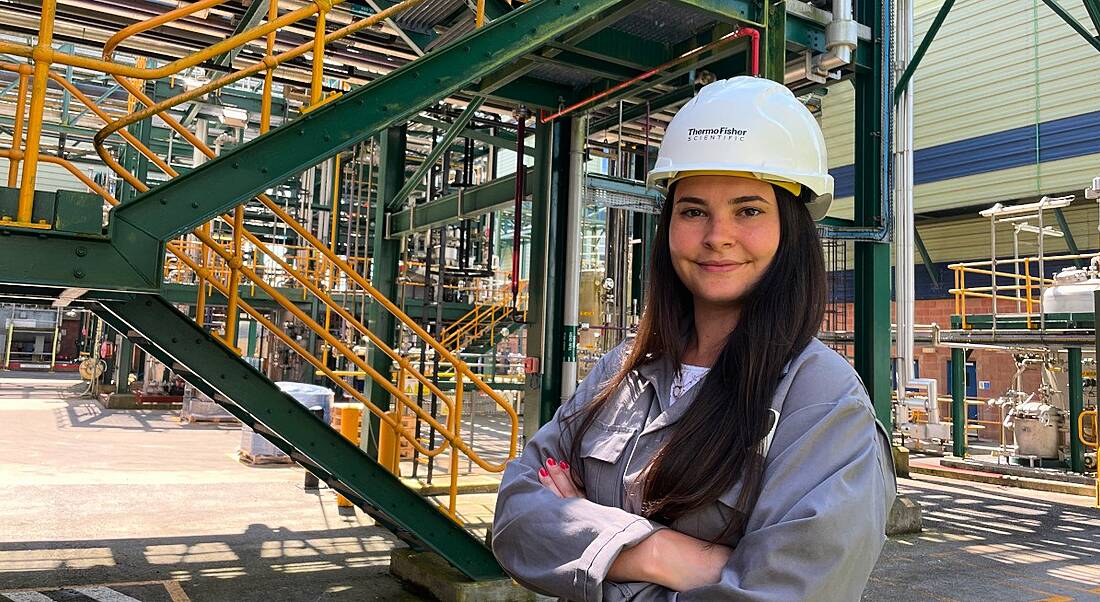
x=725, y=453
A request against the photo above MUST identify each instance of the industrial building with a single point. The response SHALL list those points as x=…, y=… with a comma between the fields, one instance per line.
x=284, y=285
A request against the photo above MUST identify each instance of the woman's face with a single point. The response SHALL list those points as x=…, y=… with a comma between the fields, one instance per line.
x=723, y=234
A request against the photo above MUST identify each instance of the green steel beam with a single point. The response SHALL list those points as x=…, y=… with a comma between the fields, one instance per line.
x=239, y=175
x=732, y=11
x=804, y=33
x=61, y=261
x=926, y=258
x=577, y=35
x=872, y=258
x=667, y=76
x=501, y=139
x=1093, y=8
x=253, y=14
x=579, y=62
x=637, y=111
x=958, y=403
x=1072, y=22
x=493, y=196
x=415, y=39
x=1067, y=234
x=217, y=370
x=470, y=202
x=623, y=48
x=1076, y=406
x=774, y=42
x=531, y=92
x=918, y=55
x=385, y=255
x=437, y=151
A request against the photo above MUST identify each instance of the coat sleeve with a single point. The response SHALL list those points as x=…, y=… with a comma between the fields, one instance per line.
x=555, y=546
x=819, y=523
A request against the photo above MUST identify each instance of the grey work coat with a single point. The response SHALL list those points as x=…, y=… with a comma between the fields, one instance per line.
x=814, y=534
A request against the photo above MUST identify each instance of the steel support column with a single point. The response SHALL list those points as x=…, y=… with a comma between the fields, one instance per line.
x=774, y=57
x=872, y=259
x=1076, y=406
x=958, y=402
x=123, y=359
x=537, y=290
x=384, y=259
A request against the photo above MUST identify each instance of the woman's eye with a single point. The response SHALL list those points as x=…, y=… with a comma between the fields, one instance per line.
x=751, y=212
x=692, y=213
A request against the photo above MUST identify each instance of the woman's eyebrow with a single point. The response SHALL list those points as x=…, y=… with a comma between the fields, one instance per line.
x=747, y=199
x=734, y=201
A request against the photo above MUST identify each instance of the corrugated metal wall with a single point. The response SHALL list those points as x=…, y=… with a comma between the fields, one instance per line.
x=51, y=177
x=1005, y=96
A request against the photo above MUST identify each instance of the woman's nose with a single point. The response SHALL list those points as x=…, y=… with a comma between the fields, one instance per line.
x=721, y=234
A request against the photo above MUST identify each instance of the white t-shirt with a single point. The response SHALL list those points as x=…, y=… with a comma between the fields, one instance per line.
x=687, y=378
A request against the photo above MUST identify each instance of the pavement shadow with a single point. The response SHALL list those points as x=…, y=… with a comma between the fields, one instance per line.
x=263, y=563
x=982, y=542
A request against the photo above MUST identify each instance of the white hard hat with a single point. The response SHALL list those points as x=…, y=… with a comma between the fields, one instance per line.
x=751, y=127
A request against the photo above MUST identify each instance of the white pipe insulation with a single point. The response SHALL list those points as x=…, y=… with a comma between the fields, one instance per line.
x=904, y=293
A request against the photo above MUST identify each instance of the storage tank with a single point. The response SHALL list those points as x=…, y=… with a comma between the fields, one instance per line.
x=1072, y=291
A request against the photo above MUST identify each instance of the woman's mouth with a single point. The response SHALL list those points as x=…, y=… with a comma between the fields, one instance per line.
x=719, y=266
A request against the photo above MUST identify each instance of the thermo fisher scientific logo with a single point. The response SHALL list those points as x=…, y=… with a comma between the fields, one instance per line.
x=719, y=133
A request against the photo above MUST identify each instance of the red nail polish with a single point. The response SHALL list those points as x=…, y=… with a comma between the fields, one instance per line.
x=549, y=461
x=543, y=473
x=564, y=465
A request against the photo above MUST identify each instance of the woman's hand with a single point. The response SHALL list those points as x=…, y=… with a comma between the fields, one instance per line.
x=677, y=561
x=555, y=477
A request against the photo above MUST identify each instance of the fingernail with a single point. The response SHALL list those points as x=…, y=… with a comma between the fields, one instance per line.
x=549, y=461
x=564, y=465
x=543, y=473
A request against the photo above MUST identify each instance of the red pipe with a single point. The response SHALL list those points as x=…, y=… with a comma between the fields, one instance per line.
x=740, y=33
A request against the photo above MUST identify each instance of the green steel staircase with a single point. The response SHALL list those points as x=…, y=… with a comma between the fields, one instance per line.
x=202, y=360
x=123, y=269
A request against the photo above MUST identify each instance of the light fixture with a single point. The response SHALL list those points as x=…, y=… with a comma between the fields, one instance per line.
x=234, y=116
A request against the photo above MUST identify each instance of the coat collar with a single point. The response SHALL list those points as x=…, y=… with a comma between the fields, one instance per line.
x=659, y=373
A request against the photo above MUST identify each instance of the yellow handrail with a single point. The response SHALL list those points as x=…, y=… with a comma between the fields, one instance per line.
x=1032, y=304
x=226, y=266
x=1094, y=443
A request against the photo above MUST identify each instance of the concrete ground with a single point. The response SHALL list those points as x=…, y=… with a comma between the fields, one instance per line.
x=124, y=505
x=154, y=510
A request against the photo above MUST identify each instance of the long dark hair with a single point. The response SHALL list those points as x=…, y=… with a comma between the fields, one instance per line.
x=718, y=440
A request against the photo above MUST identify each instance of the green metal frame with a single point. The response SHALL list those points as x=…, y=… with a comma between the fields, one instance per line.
x=926, y=258
x=201, y=359
x=1076, y=406
x=872, y=258
x=1072, y=22
x=918, y=54
x=385, y=257
x=1093, y=8
x=958, y=402
x=437, y=151
x=235, y=177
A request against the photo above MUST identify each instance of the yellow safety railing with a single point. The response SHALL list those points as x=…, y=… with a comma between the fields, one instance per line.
x=482, y=319
x=1094, y=443
x=1025, y=291
x=217, y=262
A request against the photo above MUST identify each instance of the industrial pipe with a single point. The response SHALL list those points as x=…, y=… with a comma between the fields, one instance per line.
x=904, y=280
x=841, y=38
x=572, y=265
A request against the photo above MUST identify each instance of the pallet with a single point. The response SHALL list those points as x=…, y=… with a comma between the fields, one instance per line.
x=251, y=460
